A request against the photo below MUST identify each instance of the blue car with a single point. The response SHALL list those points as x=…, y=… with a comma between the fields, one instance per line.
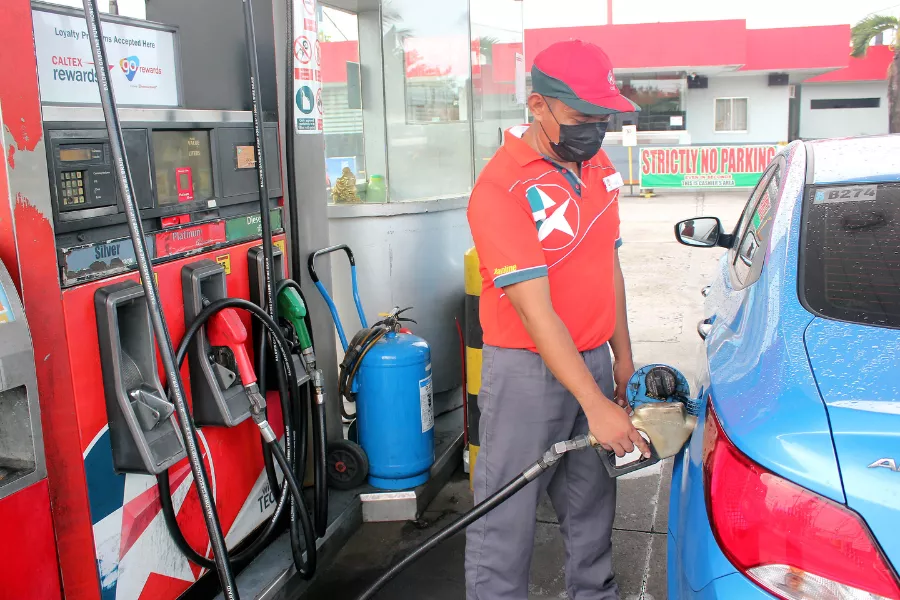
x=790, y=485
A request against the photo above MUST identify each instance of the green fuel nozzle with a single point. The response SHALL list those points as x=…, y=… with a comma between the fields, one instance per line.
x=291, y=307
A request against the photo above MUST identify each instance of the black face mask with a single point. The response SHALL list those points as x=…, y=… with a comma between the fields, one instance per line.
x=578, y=143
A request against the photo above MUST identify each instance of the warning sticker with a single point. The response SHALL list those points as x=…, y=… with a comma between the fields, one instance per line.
x=225, y=261
x=426, y=402
x=307, y=57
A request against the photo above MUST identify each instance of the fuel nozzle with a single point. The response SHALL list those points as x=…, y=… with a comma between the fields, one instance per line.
x=664, y=414
x=292, y=308
x=226, y=329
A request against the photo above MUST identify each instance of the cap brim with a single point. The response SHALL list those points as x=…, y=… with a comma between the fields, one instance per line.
x=554, y=88
x=604, y=106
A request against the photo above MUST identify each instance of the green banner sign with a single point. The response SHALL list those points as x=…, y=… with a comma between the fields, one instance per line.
x=704, y=166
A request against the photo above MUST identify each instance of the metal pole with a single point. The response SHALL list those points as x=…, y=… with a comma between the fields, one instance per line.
x=630, y=174
x=160, y=328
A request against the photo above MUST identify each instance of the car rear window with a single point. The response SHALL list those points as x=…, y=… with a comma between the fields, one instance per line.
x=850, y=253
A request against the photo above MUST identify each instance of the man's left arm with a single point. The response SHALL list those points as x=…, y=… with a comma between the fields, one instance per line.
x=621, y=340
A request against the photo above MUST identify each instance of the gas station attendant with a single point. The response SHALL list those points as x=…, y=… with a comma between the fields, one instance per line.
x=544, y=215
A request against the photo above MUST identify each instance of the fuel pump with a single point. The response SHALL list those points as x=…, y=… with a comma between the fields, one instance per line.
x=105, y=271
x=26, y=531
x=218, y=400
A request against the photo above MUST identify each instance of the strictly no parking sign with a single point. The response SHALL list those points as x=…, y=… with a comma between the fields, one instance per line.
x=307, y=68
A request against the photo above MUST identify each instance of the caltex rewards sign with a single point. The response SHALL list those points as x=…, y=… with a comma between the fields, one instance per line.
x=704, y=166
x=141, y=60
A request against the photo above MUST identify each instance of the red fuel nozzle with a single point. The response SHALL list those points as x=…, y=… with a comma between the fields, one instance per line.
x=225, y=328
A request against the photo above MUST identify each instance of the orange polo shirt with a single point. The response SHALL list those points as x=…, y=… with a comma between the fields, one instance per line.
x=531, y=218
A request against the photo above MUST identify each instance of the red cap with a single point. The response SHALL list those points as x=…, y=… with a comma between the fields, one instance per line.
x=581, y=76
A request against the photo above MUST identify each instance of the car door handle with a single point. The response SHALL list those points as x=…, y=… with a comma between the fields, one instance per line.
x=704, y=327
x=705, y=290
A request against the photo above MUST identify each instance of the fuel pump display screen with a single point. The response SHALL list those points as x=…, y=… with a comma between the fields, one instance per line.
x=74, y=154
x=183, y=161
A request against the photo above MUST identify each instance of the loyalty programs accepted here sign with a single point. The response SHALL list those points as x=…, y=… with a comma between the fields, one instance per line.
x=141, y=62
x=704, y=166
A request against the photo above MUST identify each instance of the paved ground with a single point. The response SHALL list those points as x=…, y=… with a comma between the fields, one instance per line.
x=664, y=281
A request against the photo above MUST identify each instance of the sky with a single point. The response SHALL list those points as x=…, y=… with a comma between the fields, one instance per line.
x=758, y=13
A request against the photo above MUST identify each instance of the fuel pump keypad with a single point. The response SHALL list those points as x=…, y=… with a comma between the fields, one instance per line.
x=72, y=188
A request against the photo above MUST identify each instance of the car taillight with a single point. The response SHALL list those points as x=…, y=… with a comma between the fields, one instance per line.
x=792, y=542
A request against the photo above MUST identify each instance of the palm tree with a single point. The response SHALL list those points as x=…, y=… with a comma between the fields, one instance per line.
x=861, y=36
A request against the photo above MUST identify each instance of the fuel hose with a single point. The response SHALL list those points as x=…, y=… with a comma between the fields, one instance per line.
x=306, y=567
x=320, y=442
x=550, y=458
x=160, y=328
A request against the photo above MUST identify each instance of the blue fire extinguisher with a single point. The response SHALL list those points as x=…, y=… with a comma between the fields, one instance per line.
x=386, y=371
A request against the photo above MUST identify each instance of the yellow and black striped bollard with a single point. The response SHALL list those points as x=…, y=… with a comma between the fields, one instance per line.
x=474, y=345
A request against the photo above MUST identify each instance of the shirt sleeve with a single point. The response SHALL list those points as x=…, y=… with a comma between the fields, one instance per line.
x=505, y=236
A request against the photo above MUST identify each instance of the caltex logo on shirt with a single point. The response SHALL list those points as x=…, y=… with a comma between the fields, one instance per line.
x=554, y=210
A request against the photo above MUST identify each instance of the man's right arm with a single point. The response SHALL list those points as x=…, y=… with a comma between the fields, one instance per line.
x=607, y=421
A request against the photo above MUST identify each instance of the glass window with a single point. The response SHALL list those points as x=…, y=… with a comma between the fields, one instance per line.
x=497, y=54
x=850, y=266
x=731, y=115
x=345, y=159
x=756, y=223
x=661, y=98
x=426, y=57
x=828, y=103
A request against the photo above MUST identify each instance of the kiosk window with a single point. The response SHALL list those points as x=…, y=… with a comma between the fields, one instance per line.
x=177, y=153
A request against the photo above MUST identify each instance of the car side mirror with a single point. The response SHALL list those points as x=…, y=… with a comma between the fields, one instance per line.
x=701, y=232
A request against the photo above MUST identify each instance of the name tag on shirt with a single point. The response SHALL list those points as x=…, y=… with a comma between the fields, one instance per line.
x=613, y=182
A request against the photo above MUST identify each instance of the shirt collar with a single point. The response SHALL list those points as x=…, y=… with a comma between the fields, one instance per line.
x=518, y=148
x=524, y=154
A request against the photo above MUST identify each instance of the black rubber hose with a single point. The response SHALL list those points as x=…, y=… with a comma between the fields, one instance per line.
x=492, y=502
x=160, y=328
x=320, y=453
x=288, y=136
x=268, y=461
x=296, y=492
x=320, y=439
x=553, y=455
x=243, y=557
x=305, y=567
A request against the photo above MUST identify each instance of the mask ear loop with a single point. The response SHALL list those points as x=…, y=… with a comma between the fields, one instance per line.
x=553, y=144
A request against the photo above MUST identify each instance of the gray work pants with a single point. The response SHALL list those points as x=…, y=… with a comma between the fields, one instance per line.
x=524, y=410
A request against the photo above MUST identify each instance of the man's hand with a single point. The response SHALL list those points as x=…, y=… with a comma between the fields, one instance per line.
x=622, y=372
x=611, y=426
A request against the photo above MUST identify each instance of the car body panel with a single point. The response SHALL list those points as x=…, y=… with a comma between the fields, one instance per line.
x=756, y=371
x=858, y=160
x=734, y=586
x=856, y=370
x=695, y=538
x=762, y=386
